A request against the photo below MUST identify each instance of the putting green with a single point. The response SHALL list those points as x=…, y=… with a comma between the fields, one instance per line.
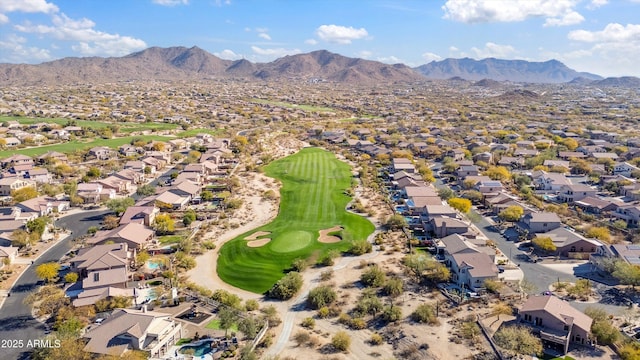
x=314, y=184
x=292, y=241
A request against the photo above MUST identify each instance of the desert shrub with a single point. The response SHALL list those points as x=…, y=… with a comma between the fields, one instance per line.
x=376, y=339
x=321, y=296
x=373, y=276
x=286, y=287
x=251, y=305
x=308, y=323
x=425, y=313
x=341, y=341
x=391, y=313
x=358, y=324
x=326, y=275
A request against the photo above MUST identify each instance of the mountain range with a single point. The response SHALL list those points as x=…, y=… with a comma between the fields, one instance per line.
x=181, y=63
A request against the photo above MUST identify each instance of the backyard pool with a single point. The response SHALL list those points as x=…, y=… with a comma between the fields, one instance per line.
x=200, y=348
x=152, y=265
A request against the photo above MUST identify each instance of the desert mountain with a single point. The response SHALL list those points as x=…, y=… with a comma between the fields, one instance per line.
x=551, y=71
x=180, y=63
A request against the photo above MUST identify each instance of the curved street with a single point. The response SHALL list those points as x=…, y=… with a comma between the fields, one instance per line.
x=16, y=321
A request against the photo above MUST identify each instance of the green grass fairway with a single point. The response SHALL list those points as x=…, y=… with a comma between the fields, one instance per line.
x=312, y=199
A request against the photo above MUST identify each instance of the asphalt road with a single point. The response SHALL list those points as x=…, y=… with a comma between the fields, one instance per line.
x=16, y=322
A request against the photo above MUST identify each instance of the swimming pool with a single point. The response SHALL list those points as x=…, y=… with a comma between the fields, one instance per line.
x=200, y=348
x=153, y=265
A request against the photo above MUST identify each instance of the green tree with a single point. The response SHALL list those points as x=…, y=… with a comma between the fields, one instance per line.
x=47, y=271
x=518, y=339
x=24, y=194
x=395, y=222
x=446, y=193
x=38, y=225
x=393, y=287
x=460, y=204
x=146, y=190
x=627, y=274
x=119, y=205
x=206, y=195
x=511, y=213
x=602, y=327
x=228, y=317
x=189, y=217
x=287, y=287
x=425, y=313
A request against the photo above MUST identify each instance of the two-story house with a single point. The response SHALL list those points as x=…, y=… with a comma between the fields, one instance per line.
x=558, y=323
x=575, y=192
x=538, y=222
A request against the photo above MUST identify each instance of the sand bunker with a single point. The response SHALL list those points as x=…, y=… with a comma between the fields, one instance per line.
x=256, y=235
x=329, y=239
x=258, y=243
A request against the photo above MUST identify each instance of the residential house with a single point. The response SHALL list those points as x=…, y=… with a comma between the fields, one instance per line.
x=94, y=192
x=139, y=214
x=606, y=253
x=136, y=236
x=557, y=322
x=629, y=213
x=575, y=192
x=101, y=153
x=9, y=254
x=117, y=184
x=568, y=155
x=42, y=206
x=403, y=164
x=539, y=222
x=625, y=169
x=131, y=176
x=571, y=244
x=597, y=206
x=470, y=264
x=489, y=187
x=127, y=329
x=12, y=142
x=7, y=185
x=444, y=226
x=549, y=181
x=39, y=175
x=467, y=170
x=51, y=157
x=100, y=266
x=456, y=154
x=17, y=159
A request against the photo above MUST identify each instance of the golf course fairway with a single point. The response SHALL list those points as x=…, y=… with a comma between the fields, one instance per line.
x=312, y=199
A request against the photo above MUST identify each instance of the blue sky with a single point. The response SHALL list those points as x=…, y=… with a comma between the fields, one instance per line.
x=599, y=36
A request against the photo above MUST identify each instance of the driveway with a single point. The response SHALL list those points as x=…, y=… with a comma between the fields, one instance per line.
x=16, y=321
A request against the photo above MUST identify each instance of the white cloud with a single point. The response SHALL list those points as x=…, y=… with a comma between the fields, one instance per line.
x=3, y=18
x=277, y=52
x=170, y=2
x=556, y=12
x=28, y=6
x=597, y=3
x=570, y=18
x=340, y=34
x=611, y=33
x=90, y=41
x=390, y=60
x=311, y=41
x=429, y=57
x=262, y=30
x=365, y=54
x=228, y=55
x=14, y=50
x=453, y=49
x=494, y=50
x=264, y=36
x=247, y=29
